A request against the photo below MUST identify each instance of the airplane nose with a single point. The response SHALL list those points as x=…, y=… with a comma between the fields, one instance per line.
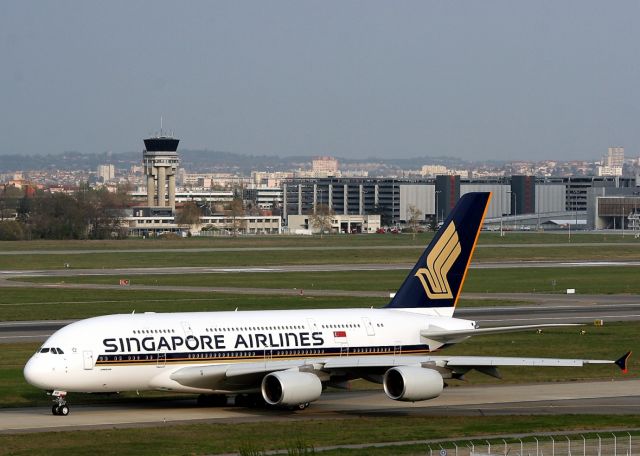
x=35, y=373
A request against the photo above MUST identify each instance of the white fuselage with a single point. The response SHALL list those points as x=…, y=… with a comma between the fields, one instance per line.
x=140, y=351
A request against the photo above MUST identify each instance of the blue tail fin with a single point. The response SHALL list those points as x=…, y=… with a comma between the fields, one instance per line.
x=436, y=279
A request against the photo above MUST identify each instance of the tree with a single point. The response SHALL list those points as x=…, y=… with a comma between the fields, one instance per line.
x=415, y=217
x=11, y=230
x=10, y=197
x=238, y=223
x=57, y=216
x=86, y=214
x=189, y=214
x=322, y=219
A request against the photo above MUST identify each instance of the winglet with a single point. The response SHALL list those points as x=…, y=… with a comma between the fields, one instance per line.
x=623, y=361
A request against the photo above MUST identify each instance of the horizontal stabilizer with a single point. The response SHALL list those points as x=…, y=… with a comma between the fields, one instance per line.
x=452, y=335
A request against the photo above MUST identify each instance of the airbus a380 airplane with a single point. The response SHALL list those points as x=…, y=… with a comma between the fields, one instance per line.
x=286, y=357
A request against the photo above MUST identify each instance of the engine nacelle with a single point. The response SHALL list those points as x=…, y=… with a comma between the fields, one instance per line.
x=290, y=388
x=412, y=383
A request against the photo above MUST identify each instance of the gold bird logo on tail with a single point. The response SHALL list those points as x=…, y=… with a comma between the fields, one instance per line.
x=439, y=262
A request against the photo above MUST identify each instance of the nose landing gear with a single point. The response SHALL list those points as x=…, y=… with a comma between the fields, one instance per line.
x=60, y=407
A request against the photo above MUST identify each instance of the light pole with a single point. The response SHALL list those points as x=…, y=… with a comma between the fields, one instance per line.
x=437, y=215
x=501, y=215
x=393, y=201
x=515, y=205
x=569, y=231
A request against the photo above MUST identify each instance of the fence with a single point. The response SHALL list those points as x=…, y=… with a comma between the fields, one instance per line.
x=572, y=445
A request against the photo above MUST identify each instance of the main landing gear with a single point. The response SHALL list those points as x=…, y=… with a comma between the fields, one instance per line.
x=212, y=400
x=60, y=407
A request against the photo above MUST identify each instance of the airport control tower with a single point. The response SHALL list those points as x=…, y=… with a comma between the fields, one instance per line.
x=160, y=160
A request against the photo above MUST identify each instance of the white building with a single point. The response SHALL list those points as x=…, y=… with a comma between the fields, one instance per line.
x=106, y=172
x=614, y=157
x=433, y=170
x=214, y=225
x=340, y=223
x=609, y=170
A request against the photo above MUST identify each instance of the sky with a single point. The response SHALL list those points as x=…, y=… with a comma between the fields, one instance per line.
x=477, y=80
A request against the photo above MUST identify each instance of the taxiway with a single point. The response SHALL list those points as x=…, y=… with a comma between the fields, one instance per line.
x=604, y=397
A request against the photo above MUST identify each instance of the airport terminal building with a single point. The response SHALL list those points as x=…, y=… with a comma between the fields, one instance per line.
x=516, y=196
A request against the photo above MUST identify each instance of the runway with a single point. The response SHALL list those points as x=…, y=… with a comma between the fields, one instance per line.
x=305, y=248
x=604, y=397
x=7, y=274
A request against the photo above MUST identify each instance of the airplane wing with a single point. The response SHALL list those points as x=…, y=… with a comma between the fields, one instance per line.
x=249, y=375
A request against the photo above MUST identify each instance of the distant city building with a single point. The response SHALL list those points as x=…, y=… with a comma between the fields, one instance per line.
x=261, y=179
x=609, y=170
x=614, y=157
x=433, y=170
x=324, y=166
x=212, y=180
x=106, y=173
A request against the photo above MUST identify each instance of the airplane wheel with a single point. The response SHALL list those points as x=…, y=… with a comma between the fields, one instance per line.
x=303, y=406
x=54, y=410
x=64, y=410
x=215, y=400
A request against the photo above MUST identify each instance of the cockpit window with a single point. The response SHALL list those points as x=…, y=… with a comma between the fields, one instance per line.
x=54, y=350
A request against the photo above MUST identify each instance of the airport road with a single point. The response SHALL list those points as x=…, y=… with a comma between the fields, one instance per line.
x=556, y=310
x=604, y=397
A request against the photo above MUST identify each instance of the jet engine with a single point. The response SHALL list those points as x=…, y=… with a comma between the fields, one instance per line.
x=412, y=383
x=291, y=388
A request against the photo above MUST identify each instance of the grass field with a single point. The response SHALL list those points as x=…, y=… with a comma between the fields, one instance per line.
x=587, y=280
x=61, y=304
x=362, y=249
x=173, y=439
x=486, y=237
x=51, y=304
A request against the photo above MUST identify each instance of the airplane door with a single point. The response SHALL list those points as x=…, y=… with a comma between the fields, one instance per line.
x=162, y=360
x=268, y=355
x=397, y=349
x=186, y=327
x=369, y=326
x=312, y=324
x=87, y=359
